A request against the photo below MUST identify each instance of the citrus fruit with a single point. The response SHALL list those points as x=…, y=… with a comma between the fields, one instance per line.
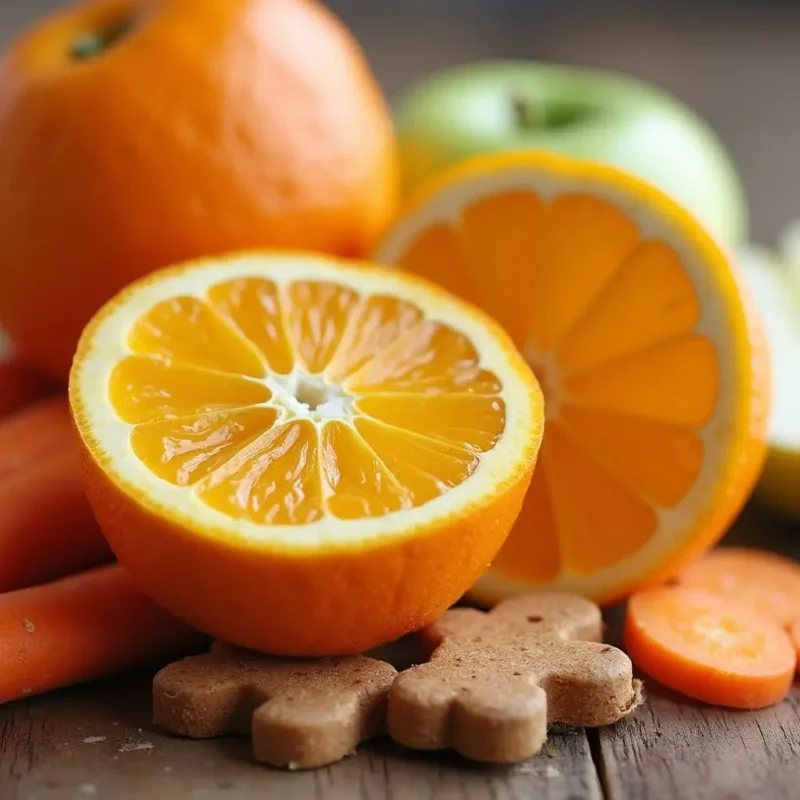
x=711, y=648
x=302, y=455
x=140, y=133
x=774, y=279
x=644, y=343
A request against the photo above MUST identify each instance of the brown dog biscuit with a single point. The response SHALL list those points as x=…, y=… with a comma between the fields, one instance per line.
x=301, y=713
x=494, y=681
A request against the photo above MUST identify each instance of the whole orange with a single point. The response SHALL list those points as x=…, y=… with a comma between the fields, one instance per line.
x=137, y=133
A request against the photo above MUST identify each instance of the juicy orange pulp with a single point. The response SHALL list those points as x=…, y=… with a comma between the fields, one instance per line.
x=422, y=411
x=300, y=455
x=608, y=320
x=637, y=331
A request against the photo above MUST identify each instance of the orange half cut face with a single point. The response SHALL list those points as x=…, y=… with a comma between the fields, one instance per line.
x=652, y=363
x=310, y=413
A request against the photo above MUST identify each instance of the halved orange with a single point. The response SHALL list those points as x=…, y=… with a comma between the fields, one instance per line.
x=301, y=455
x=652, y=364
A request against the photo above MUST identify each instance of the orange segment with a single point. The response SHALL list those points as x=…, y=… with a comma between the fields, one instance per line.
x=643, y=384
x=316, y=316
x=426, y=467
x=659, y=462
x=210, y=343
x=430, y=358
x=357, y=480
x=253, y=306
x=378, y=322
x=345, y=496
x=534, y=553
x=600, y=521
x=143, y=389
x=438, y=255
x=504, y=231
x=650, y=300
x=652, y=363
x=470, y=421
x=584, y=242
x=274, y=481
x=184, y=450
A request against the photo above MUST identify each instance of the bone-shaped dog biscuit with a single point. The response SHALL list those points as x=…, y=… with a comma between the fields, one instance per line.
x=494, y=681
x=301, y=713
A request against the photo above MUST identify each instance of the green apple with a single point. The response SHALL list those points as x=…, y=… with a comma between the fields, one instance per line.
x=596, y=115
x=774, y=279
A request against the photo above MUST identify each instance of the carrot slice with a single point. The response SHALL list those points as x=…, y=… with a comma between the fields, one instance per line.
x=81, y=628
x=709, y=647
x=27, y=435
x=47, y=528
x=767, y=582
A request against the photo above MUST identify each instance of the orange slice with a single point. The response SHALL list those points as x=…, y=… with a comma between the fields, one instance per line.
x=652, y=365
x=300, y=455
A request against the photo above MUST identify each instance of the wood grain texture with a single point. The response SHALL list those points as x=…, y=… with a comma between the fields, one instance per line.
x=673, y=748
x=98, y=742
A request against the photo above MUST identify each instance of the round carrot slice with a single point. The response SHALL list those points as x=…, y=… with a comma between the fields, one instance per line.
x=767, y=582
x=709, y=647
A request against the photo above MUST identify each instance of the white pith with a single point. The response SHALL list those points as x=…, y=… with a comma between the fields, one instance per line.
x=109, y=435
x=717, y=319
x=304, y=396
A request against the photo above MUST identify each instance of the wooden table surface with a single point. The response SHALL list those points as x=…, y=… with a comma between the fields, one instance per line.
x=98, y=741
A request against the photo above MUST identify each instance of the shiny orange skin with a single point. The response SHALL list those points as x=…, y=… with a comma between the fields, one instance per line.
x=397, y=588
x=211, y=125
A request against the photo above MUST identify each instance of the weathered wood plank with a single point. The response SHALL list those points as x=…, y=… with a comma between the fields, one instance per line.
x=674, y=747
x=98, y=742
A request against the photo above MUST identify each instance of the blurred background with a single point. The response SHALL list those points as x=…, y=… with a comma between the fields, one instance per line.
x=736, y=62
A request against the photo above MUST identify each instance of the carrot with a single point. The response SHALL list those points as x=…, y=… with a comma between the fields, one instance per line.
x=767, y=582
x=19, y=385
x=709, y=647
x=31, y=432
x=47, y=528
x=80, y=628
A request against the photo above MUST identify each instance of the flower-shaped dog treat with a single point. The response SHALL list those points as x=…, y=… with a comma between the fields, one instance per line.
x=495, y=680
x=302, y=713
